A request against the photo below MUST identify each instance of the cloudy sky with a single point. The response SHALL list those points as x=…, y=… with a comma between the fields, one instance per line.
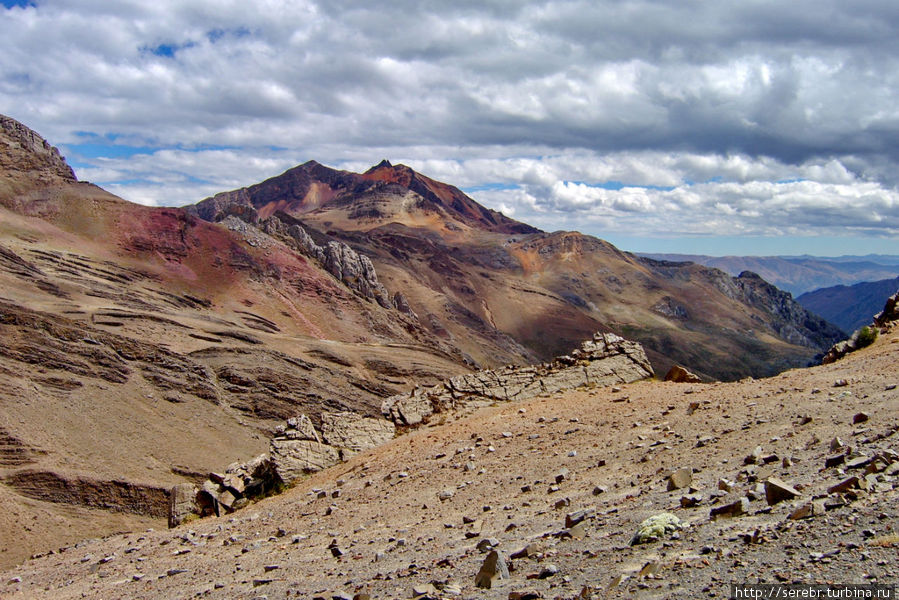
x=726, y=127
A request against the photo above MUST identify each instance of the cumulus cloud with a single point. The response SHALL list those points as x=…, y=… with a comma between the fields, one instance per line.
x=765, y=118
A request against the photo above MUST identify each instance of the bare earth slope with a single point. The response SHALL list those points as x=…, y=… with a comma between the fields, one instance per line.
x=502, y=291
x=142, y=347
x=412, y=512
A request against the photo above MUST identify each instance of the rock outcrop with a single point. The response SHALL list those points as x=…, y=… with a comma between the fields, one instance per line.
x=604, y=360
x=23, y=150
x=353, y=269
x=679, y=374
x=883, y=321
x=298, y=449
x=890, y=312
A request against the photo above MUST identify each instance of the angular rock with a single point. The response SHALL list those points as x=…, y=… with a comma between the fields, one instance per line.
x=182, y=503
x=680, y=478
x=493, y=568
x=352, y=432
x=679, y=374
x=573, y=518
x=531, y=549
x=734, y=509
x=690, y=500
x=778, y=491
x=815, y=508
x=294, y=458
x=834, y=460
x=845, y=485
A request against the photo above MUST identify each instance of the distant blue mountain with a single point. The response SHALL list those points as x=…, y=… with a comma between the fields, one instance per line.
x=850, y=307
x=801, y=274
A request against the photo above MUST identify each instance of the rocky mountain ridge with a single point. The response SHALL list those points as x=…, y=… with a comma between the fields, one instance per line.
x=461, y=268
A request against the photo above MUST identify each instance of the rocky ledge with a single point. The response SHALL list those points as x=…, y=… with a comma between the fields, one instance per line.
x=605, y=360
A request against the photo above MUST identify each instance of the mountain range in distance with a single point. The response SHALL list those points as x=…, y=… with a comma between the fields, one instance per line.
x=849, y=306
x=800, y=274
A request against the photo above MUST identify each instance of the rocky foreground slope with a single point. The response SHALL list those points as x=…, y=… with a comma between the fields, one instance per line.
x=789, y=479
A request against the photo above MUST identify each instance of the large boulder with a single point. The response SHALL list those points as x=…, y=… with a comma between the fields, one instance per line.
x=292, y=459
x=182, y=503
x=351, y=432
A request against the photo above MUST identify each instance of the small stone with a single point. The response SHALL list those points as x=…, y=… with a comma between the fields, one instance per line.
x=836, y=444
x=599, y=490
x=859, y=418
x=172, y=572
x=680, y=479
x=579, y=531
x=844, y=486
x=778, y=491
x=487, y=544
x=526, y=595
x=650, y=569
x=548, y=571
x=426, y=589
x=840, y=383
x=725, y=486
x=858, y=462
x=754, y=457
x=734, y=509
x=562, y=476
x=573, y=518
x=446, y=494
x=690, y=500
x=493, y=568
x=834, y=460
x=531, y=549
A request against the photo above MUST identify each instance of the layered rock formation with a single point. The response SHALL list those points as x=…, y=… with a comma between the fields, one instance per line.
x=353, y=269
x=606, y=359
x=19, y=141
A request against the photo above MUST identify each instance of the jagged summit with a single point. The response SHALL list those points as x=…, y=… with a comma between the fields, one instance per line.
x=24, y=152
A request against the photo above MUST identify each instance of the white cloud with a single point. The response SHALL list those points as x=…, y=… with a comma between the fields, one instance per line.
x=763, y=115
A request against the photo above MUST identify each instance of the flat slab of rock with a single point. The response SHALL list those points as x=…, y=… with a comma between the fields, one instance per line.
x=778, y=491
x=294, y=458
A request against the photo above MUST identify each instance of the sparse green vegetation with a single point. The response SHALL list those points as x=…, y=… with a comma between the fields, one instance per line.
x=865, y=336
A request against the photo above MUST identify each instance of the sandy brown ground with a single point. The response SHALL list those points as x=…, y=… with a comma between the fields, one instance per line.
x=382, y=509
